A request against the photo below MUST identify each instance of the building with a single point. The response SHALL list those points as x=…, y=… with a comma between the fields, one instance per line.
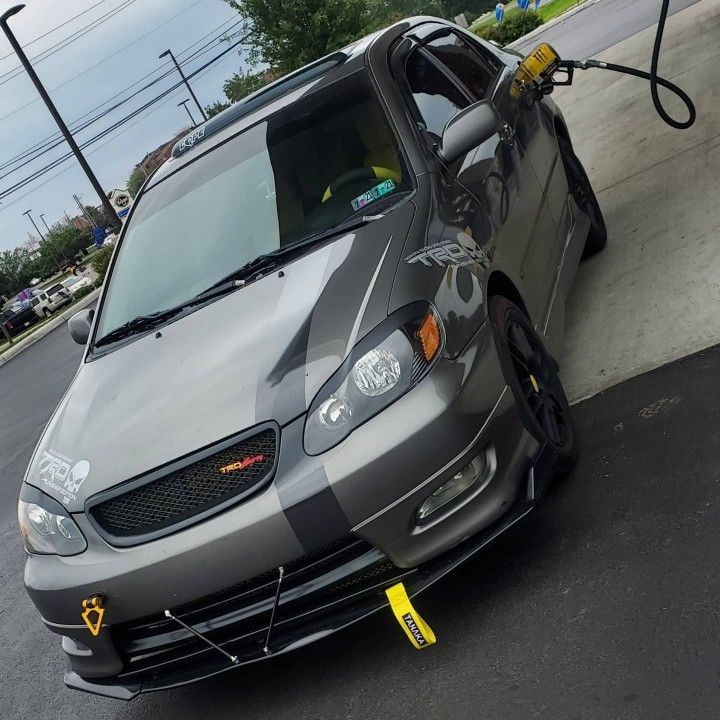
x=160, y=154
x=32, y=247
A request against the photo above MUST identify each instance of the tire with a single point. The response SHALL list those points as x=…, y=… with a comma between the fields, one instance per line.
x=532, y=374
x=46, y=312
x=582, y=191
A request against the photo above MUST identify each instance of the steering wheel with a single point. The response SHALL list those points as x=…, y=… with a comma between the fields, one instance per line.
x=357, y=175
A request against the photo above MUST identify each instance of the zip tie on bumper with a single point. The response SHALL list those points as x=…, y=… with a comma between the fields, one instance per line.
x=417, y=630
x=230, y=657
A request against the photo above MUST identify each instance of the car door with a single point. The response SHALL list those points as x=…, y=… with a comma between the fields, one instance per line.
x=445, y=73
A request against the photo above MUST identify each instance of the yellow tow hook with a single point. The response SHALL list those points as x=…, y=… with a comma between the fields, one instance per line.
x=534, y=383
x=93, y=606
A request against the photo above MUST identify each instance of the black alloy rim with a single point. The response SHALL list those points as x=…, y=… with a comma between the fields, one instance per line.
x=539, y=382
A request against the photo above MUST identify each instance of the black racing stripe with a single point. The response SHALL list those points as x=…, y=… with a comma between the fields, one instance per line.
x=318, y=520
x=305, y=495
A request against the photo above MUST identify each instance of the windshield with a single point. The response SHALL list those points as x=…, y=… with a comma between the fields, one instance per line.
x=302, y=170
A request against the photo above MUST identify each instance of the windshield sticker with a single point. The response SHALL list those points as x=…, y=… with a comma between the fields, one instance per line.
x=385, y=187
x=448, y=252
x=58, y=472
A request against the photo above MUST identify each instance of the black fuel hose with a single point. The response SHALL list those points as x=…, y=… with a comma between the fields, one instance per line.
x=652, y=76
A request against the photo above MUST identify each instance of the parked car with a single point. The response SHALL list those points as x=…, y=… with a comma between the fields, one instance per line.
x=321, y=365
x=17, y=318
x=75, y=283
x=46, y=302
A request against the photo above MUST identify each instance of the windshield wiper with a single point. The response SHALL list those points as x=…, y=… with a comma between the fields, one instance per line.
x=231, y=282
x=137, y=325
x=268, y=261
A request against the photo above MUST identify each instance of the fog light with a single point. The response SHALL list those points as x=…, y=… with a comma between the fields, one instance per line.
x=457, y=485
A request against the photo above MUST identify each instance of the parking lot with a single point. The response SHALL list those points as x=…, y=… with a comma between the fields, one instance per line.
x=602, y=604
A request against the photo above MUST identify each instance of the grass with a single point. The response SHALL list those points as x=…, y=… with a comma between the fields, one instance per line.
x=556, y=7
x=547, y=11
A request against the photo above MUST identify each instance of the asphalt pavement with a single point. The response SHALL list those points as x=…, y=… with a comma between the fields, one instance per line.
x=601, y=605
x=599, y=25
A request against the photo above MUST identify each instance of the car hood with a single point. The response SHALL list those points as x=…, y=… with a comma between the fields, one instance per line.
x=259, y=354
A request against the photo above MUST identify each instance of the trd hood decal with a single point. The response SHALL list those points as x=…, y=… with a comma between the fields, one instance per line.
x=259, y=354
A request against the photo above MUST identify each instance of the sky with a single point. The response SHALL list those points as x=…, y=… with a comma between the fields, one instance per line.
x=101, y=63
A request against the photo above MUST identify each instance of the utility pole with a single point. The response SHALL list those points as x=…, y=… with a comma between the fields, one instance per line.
x=168, y=53
x=56, y=115
x=187, y=110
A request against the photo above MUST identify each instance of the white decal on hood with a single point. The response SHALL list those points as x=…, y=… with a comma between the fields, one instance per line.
x=58, y=472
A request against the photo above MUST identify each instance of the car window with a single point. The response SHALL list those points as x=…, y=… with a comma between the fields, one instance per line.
x=34, y=301
x=474, y=70
x=437, y=99
x=301, y=170
x=55, y=288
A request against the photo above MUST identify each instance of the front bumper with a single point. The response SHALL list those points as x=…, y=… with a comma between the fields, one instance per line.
x=302, y=623
x=342, y=525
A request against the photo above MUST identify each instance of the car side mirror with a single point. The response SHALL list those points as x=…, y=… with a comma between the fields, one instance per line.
x=79, y=325
x=468, y=129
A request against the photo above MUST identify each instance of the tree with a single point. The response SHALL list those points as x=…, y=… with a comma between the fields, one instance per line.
x=286, y=35
x=242, y=84
x=211, y=111
x=136, y=179
x=14, y=266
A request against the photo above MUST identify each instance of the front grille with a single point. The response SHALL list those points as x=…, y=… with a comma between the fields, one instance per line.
x=184, y=493
x=337, y=579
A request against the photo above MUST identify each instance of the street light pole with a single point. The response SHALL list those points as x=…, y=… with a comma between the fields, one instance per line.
x=42, y=218
x=50, y=235
x=187, y=109
x=56, y=115
x=168, y=53
x=43, y=241
x=37, y=229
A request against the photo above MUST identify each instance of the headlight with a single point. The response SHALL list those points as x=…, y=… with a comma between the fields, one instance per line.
x=46, y=526
x=381, y=368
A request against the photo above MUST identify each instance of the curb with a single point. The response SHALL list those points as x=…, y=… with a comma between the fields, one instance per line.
x=48, y=327
x=553, y=22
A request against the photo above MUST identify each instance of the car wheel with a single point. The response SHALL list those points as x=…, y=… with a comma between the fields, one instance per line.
x=532, y=374
x=46, y=312
x=582, y=191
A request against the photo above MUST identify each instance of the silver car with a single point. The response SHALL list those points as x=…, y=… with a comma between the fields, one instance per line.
x=321, y=365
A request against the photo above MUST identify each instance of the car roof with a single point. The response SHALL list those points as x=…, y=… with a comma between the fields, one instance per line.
x=276, y=95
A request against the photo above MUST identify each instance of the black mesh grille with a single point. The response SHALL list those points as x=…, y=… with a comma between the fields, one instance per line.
x=189, y=491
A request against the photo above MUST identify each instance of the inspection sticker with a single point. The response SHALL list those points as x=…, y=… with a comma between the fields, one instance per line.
x=384, y=188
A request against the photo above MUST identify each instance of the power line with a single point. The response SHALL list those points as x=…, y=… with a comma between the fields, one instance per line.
x=97, y=149
x=45, y=54
x=38, y=173
x=57, y=27
x=74, y=124
x=58, y=140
